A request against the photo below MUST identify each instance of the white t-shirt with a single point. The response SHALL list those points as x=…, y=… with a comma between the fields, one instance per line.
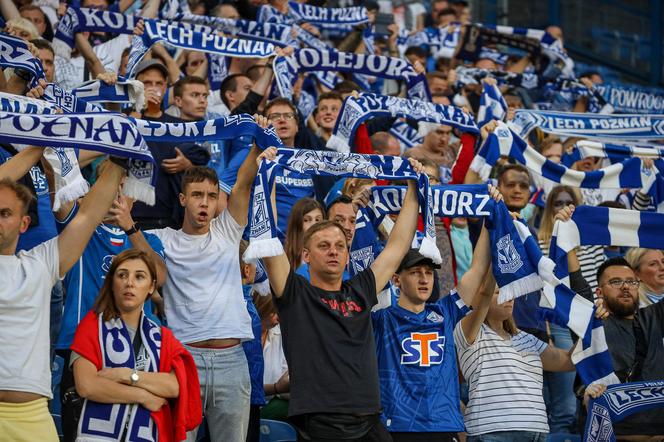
x=25, y=305
x=203, y=291
x=273, y=355
x=505, y=380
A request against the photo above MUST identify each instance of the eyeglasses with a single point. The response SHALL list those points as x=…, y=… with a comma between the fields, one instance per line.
x=563, y=203
x=618, y=283
x=285, y=116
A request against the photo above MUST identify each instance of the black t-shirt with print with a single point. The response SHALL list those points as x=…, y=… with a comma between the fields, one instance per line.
x=329, y=346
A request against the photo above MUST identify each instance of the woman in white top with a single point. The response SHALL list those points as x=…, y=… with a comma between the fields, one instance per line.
x=503, y=367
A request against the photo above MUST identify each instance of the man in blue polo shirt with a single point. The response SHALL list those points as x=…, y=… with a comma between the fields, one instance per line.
x=417, y=365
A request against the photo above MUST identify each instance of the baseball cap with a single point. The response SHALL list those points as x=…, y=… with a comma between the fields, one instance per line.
x=148, y=64
x=414, y=258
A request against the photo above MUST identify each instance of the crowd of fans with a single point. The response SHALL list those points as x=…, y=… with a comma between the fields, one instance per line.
x=405, y=350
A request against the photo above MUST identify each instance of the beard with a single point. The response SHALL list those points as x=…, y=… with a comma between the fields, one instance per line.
x=619, y=308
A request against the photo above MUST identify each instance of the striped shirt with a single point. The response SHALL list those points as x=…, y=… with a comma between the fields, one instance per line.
x=505, y=379
x=590, y=258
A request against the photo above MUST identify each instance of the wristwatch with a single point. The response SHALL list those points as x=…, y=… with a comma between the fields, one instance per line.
x=134, y=377
x=131, y=231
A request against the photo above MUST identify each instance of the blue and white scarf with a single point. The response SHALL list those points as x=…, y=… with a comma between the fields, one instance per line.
x=78, y=20
x=123, y=91
x=263, y=232
x=617, y=403
x=108, y=421
x=274, y=33
x=327, y=17
x=223, y=128
x=442, y=42
x=467, y=76
x=101, y=132
x=503, y=142
x=408, y=136
x=632, y=99
x=310, y=59
x=615, y=153
x=25, y=105
x=593, y=226
x=14, y=53
x=492, y=105
x=187, y=38
x=355, y=110
x=68, y=102
x=515, y=265
x=598, y=127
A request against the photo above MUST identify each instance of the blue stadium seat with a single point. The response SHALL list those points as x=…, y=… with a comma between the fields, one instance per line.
x=563, y=437
x=277, y=431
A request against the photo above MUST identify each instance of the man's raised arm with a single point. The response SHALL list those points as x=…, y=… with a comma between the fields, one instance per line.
x=238, y=202
x=73, y=240
x=21, y=163
x=401, y=237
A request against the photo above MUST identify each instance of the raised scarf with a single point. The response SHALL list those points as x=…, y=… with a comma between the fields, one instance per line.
x=356, y=110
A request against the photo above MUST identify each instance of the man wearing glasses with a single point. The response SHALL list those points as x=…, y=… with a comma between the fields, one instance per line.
x=634, y=339
x=290, y=186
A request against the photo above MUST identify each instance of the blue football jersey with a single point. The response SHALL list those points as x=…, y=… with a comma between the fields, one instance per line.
x=84, y=280
x=290, y=186
x=417, y=366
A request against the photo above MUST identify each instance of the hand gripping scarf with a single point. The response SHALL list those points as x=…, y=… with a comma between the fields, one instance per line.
x=514, y=266
x=101, y=132
x=356, y=110
x=123, y=91
x=187, y=38
x=78, y=20
x=593, y=226
x=263, y=234
x=504, y=142
x=618, y=402
x=108, y=421
x=310, y=59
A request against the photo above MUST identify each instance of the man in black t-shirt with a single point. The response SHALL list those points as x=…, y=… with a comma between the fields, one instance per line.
x=326, y=327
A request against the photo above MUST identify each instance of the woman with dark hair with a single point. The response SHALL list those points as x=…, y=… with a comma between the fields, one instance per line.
x=305, y=213
x=135, y=376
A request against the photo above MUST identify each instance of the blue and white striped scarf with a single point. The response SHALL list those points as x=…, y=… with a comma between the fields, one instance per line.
x=310, y=59
x=187, y=38
x=598, y=127
x=617, y=403
x=492, y=105
x=107, y=421
x=593, y=226
x=263, y=232
x=355, y=110
x=516, y=264
x=615, y=153
x=442, y=42
x=25, y=105
x=503, y=142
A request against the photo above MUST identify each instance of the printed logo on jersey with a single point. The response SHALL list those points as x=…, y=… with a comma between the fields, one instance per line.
x=106, y=263
x=434, y=317
x=423, y=349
